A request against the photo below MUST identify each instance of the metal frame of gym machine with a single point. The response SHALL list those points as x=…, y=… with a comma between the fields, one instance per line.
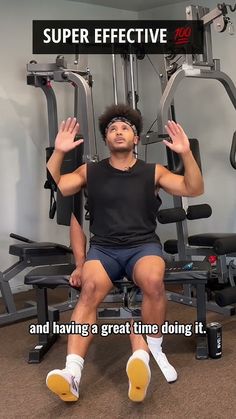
x=81, y=79
x=203, y=67
x=30, y=253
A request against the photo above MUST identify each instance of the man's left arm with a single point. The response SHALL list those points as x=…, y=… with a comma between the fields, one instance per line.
x=191, y=184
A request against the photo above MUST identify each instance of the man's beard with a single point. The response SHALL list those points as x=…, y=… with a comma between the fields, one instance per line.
x=122, y=149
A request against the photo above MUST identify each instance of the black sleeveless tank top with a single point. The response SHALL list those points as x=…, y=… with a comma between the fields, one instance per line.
x=122, y=204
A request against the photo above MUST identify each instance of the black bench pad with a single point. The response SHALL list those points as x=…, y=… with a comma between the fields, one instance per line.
x=38, y=249
x=52, y=276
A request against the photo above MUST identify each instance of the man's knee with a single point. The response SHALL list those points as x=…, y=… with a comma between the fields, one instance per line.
x=89, y=290
x=152, y=284
x=92, y=290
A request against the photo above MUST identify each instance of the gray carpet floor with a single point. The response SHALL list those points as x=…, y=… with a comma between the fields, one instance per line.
x=205, y=389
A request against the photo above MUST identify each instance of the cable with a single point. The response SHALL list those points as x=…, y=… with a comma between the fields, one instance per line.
x=232, y=8
x=95, y=138
x=151, y=126
x=222, y=6
x=145, y=150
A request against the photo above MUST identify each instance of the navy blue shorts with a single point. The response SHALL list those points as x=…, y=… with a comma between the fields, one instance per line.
x=119, y=262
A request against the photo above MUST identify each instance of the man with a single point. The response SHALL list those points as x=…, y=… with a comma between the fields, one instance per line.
x=123, y=201
x=139, y=371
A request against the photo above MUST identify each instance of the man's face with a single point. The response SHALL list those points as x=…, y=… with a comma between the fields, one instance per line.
x=120, y=137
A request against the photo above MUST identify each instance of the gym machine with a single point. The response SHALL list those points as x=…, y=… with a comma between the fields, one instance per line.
x=31, y=253
x=42, y=75
x=172, y=70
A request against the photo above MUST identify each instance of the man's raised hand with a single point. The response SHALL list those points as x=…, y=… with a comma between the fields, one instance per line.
x=64, y=141
x=180, y=141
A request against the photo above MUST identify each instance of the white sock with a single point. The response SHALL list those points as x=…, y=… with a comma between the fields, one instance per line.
x=166, y=368
x=141, y=354
x=74, y=364
x=154, y=344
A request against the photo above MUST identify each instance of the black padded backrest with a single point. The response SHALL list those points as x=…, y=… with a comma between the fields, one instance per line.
x=67, y=205
x=174, y=162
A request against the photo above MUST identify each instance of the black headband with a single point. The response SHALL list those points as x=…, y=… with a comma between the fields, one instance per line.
x=122, y=119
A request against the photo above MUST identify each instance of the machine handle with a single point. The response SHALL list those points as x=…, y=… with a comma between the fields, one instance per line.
x=20, y=238
x=233, y=152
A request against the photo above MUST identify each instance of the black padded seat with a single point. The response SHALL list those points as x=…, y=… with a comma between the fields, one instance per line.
x=208, y=239
x=38, y=249
x=50, y=276
x=53, y=276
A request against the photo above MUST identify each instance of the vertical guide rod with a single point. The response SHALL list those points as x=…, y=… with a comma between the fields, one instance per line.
x=114, y=79
x=131, y=63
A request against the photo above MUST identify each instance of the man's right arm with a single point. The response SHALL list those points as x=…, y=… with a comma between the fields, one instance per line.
x=78, y=245
x=70, y=183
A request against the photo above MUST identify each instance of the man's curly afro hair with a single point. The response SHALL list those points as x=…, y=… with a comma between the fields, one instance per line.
x=120, y=110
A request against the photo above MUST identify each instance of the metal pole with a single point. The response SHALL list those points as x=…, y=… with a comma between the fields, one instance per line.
x=132, y=81
x=114, y=78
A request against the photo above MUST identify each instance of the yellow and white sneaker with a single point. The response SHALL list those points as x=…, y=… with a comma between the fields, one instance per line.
x=64, y=384
x=139, y=375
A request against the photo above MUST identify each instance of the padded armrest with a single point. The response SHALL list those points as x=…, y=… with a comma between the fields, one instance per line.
x=50, y=276
x=38, y=249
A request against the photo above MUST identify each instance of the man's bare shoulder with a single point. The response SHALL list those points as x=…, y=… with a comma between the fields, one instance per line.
x=159, y=171
x=82, y=172
x=81, y=169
